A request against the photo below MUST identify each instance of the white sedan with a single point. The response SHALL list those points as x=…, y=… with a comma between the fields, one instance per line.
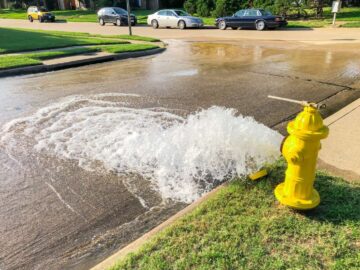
x=174, y=18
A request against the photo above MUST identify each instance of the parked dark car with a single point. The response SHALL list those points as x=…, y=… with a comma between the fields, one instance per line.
x=251, y=18
x=116, y=16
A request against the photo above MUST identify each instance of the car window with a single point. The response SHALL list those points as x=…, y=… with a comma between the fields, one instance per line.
x=240, y=13
x=120, y=11
x=266, y=13
x=181, y=13
x=251, y=12
x=162, y=13
x=109, y=11
x=170, y=13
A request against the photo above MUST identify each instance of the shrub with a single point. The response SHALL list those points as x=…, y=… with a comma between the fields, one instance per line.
x=283, y=7
x=219, y=8
x=204, y=7
x=190, y=6
x=227, y=7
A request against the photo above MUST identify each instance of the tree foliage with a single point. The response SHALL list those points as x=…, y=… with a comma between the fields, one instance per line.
x=220, y=8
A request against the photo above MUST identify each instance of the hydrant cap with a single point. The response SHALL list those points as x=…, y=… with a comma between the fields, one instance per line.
x=308, y=122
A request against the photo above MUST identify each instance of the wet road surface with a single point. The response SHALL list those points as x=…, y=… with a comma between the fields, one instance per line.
x=56, y=215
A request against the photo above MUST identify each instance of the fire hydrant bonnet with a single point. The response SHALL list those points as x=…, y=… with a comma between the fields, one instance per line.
x=308, y=125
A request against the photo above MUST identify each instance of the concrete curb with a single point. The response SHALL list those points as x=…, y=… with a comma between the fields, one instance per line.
x=135, y=245
x=77, y=63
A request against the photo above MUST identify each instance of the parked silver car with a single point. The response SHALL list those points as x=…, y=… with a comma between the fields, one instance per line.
x=174, y=18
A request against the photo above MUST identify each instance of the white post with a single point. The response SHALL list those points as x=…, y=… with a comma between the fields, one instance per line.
x=336, y=5
x=334, y=19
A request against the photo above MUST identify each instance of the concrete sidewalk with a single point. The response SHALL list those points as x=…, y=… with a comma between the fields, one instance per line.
x=76, y=61
x=340, y=153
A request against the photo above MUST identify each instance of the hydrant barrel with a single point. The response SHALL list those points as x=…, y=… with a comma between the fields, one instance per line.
x=300, y=150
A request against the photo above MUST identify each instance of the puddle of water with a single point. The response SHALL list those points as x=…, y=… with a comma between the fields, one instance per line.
x=182, y=157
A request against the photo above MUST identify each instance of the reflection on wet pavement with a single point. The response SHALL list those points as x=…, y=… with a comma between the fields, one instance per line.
x=55, y=214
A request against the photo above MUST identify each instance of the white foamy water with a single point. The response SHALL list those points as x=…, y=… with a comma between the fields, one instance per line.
x=182, y=157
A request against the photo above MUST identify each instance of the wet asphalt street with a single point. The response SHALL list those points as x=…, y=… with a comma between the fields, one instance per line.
x=55, y=215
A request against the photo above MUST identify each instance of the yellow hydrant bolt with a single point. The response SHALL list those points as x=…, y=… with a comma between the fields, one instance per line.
x=300, y=150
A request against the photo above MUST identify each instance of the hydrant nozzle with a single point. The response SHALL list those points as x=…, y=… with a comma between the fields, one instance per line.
x=300, y=149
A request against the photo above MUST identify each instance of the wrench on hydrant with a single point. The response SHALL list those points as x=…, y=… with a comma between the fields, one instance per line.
x=300, y=149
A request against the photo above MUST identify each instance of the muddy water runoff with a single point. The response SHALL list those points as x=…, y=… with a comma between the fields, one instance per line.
x=93, y=157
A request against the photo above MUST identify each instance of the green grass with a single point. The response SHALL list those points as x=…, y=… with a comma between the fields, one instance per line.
x=243, y=227
x=7, y=62
x=61, y=53
x=351, y=25
x=16, y=40
x=127, y=48
x=30, y=59
x=128, y=37
x=308, y=23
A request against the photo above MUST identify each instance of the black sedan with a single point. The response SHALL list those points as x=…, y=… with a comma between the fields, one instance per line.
x=115, y=15
x=251, y=18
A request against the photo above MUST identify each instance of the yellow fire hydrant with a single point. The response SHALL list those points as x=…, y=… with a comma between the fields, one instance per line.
x=300, y=150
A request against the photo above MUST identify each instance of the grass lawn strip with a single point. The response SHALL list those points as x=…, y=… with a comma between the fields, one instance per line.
x=127, y=48
x=83, y=35
x=61, y=53
x=17, y=40
x=20, y=40
x=243, y=227
x=351, y=25
x=128, y=37
x=15, y=61
x=31, y=59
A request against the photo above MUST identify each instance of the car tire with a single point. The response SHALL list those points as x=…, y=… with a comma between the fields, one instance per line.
x=155, y=24
x=260, y=25
x=101, y=22
x=118, y=22
x=41, y=19
x=30, y=19
x=53, y=20
x=222, y=25
x=182, y=25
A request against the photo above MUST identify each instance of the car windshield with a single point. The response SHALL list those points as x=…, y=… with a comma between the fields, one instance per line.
x=266, y=13
x=181, y=13
x=43, y=10
x=120, y=11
